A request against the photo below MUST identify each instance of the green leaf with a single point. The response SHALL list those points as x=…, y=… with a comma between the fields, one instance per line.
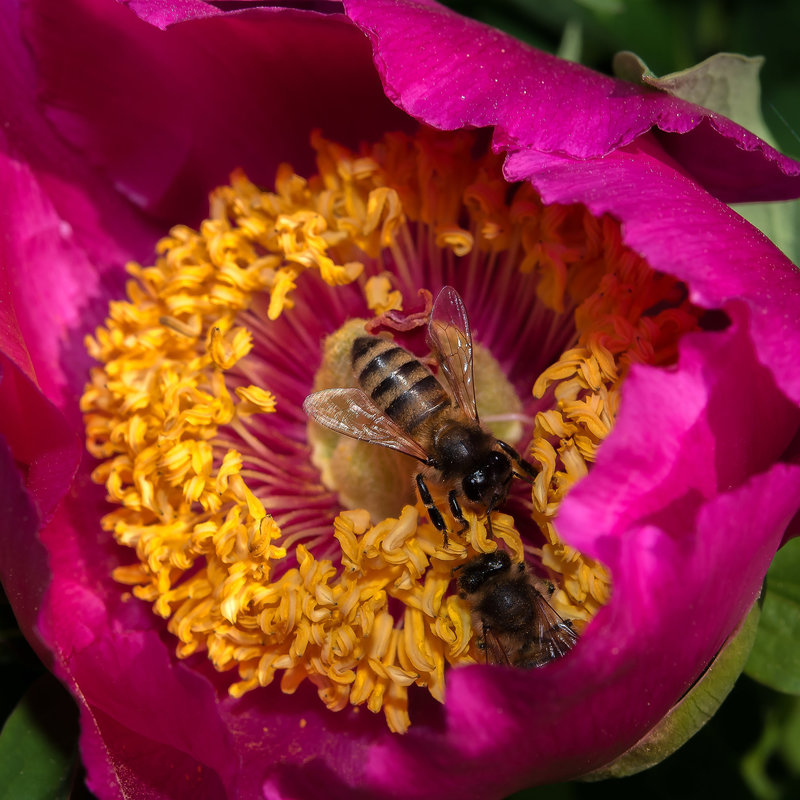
x=571, y=45
x=38, y=744
x=729, y=84
x=694, y=709
x=779, y=221
x=771, y=768
x=775, y=659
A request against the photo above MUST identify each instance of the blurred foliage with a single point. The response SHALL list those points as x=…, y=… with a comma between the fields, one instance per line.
x=39, y=744
x=19, y=666
x=775, y=658
x=39, y=738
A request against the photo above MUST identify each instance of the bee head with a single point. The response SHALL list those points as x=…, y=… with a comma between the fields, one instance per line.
x=488, y=483
x=476, y=572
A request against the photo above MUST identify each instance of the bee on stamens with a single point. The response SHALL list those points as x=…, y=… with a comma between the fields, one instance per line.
x=516, y=624
x=402, y=405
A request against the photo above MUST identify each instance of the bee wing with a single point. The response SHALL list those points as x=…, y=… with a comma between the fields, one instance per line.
x=495, y=651
x=450, y=340
x=553, y=636
x=352, y=413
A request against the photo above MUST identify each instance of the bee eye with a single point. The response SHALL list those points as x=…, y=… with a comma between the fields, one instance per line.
x=500, y=467
x=497, y=460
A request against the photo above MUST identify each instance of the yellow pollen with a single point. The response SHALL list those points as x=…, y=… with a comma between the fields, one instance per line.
x=176, y=411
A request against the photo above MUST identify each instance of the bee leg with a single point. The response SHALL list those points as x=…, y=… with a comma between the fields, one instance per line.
x=455, y=510
x=519, y=460
x=435, y=515
x=489, y=516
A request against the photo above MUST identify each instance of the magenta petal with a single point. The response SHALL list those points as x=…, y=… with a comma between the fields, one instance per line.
x=46, y=450
x=114, y=755
x=163, y=13
x=668, y=453
x=145, y=707
x=60, y=293
x=240, y=93
x=67, y=237
x=535, y=100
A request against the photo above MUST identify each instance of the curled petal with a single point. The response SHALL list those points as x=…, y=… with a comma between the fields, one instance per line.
x=722, y=258
x=536, y=101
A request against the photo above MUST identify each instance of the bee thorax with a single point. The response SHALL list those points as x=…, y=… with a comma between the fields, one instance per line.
x=461, y=447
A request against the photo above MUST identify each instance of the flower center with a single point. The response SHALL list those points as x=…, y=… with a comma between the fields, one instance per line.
x=221, y=488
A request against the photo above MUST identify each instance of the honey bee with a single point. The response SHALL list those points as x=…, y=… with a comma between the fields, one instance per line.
x=402, y=405
x=518, y=627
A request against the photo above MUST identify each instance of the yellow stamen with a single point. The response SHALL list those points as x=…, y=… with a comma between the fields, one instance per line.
x=380, y=295
x=179, y=384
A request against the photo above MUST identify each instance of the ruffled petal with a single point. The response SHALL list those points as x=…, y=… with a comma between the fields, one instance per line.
x=163, y=13
x=535, y=100
x=682, y=436
x=682, y=231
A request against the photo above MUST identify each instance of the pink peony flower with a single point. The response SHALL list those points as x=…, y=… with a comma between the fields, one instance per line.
x=680, y=514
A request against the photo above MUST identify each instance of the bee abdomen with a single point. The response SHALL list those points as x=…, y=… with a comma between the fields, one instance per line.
x=398, y=383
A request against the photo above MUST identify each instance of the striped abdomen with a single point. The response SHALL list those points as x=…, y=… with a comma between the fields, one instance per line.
x=400, y=385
